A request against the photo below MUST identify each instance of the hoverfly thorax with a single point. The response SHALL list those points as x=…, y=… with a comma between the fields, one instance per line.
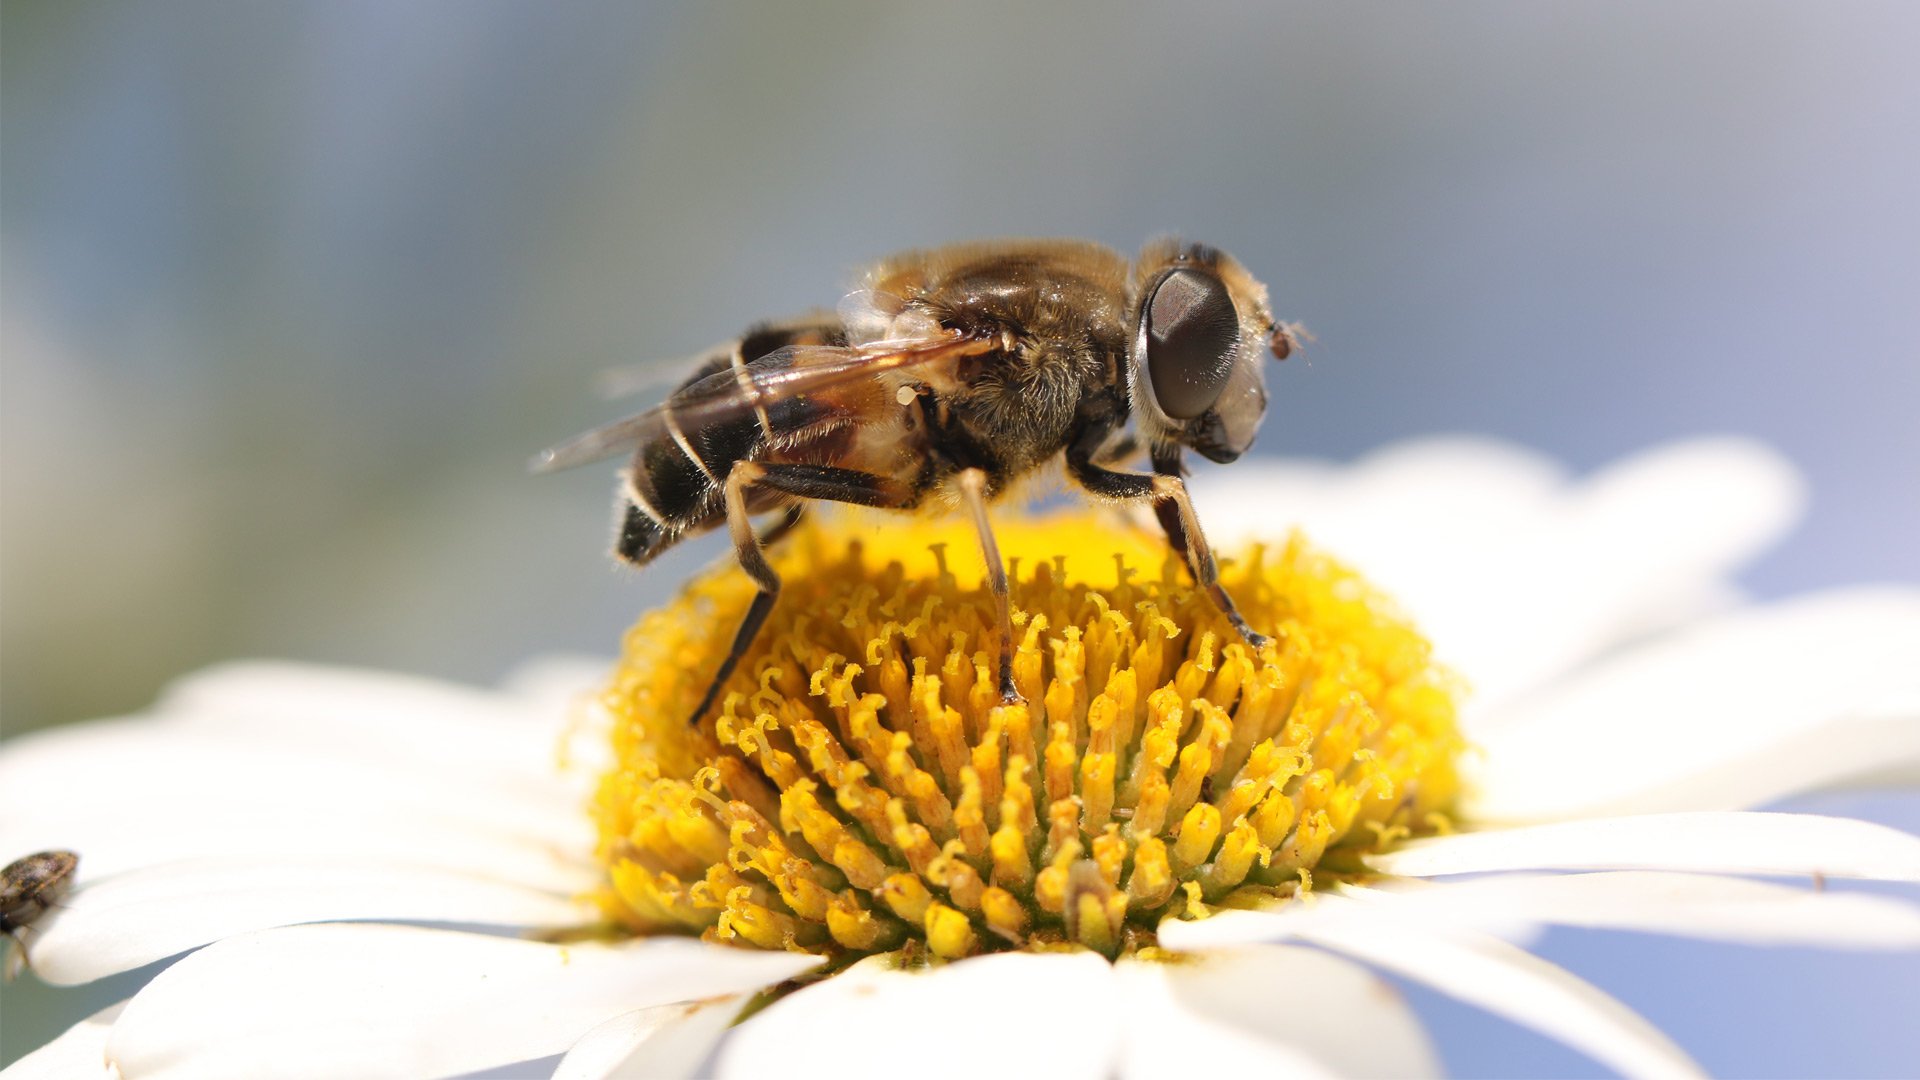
x=1201, y=329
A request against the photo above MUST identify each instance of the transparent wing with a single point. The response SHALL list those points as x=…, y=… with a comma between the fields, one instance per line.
x=781, y=374
x=629, y=380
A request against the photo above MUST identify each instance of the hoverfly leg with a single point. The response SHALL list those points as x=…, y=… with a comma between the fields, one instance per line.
x=973, y=486
x=821, y=482
x=1167, y=462
x=746, y=547
x=1169, y=517
x=1168, y=493
x=1206, y=571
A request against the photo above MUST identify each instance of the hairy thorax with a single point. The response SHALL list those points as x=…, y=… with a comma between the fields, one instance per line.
x=1060, y=311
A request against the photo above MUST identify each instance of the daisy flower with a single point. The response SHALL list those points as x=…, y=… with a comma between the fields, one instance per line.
x=1177, y=854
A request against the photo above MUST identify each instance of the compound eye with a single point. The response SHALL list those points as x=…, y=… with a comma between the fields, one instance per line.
x=1191, y=333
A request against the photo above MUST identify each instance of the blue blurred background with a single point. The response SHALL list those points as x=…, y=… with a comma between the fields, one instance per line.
x=291, y=291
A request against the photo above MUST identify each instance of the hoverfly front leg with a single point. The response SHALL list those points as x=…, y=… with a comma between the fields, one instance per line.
x=1166, y=462
x=803, y=481
x=973, y=487
x=1206, y=572
x=1168, y=493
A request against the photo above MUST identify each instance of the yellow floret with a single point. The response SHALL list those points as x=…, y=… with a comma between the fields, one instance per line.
x=862, y=787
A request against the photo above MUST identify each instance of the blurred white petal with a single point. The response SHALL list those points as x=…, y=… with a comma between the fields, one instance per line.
x=405, y=719
x=1877, y=746
x=1039, y=1014
x=376, y=1001
x=546, y=685
x=1261, y=498
x=1746, y=698
x=1515, y=576
x=1722, y=842
x=1268, y=1010
x=133, y=919
x=181, y=757
x=137, y=792
x=110, y=843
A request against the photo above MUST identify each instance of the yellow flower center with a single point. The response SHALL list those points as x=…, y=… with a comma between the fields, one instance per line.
x=861, y=788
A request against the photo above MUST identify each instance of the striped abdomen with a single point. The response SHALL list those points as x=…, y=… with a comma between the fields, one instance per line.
x=675, y=483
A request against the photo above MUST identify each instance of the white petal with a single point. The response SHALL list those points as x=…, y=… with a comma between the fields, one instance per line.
x=92, y=787
x=1689, y=905
x=555, y=681
x=1430, y=521
x=1268, y=1010
x=350, y=710
x=125, y=762
x=1475, y=967
x=78, y=1052
x=1367, y=504
x=1038, y=1014
x=1229, y=928
x=1514, y=580
x=1643, y=544
x=1869, y=748
x=1884, y=742
x=1736, y=712
x=1508, y=981
x=1721, y=842
x=369, y=1000
x=133, y=919
x=110, y=844
x=569, y=687
x=666, y=1042
x=1684, y=512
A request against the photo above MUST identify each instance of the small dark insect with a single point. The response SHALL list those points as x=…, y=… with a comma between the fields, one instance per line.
x=944, y=378
x=28, y=887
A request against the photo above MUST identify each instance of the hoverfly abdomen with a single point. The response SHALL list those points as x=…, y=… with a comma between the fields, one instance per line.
x=641, y=537
x=675, y=482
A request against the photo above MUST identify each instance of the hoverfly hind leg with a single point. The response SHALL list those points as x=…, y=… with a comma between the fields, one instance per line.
x=746, y=547
x=802, y=481
x=973, y=486
x=754, y=562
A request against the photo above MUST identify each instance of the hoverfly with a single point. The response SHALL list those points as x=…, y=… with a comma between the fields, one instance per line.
x=28, y=887
x=945, y=377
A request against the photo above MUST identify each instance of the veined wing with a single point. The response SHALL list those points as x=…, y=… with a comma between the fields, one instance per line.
x=812, y=328
x=781, y=374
